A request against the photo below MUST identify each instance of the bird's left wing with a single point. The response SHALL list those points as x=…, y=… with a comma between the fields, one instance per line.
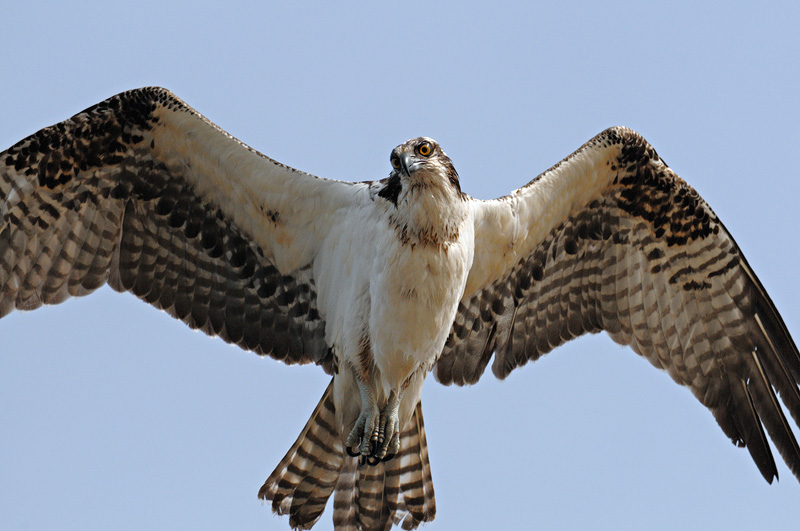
x=143, y=192
x=611, y=239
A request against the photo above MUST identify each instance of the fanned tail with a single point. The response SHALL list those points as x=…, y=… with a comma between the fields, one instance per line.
x=305, y=478
x=368, y=498
x=394, y=492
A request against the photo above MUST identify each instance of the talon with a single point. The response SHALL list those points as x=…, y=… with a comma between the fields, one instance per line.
x=375, y=437
x=363, y=439
x=369, y=443
x=389, y=429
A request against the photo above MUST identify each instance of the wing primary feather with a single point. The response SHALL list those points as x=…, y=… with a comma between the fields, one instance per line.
x=772, y=416
x=752, y=435
x=772, y=323
x=781, y=377
x=144, y=192
x=611, y=238
x=486, y=351
x=775, y=329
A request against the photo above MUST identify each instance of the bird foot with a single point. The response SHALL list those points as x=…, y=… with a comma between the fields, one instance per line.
x=363, y=438
x=376, y=436
x=389, y=432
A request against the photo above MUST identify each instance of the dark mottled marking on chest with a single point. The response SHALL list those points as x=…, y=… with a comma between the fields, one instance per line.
x=272, y=215
x=391, y=191
x=426, y=236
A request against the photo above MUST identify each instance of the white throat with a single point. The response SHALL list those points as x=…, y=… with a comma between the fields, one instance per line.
x=430, y=211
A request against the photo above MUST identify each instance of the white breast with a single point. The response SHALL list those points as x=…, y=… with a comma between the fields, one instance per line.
x=414, y=293
x=403, y=294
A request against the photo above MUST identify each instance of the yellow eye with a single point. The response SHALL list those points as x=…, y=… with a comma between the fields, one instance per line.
x=395, y=163
x=424, y=149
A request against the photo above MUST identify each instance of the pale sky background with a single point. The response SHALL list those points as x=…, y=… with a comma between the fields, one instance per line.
x=115, y=416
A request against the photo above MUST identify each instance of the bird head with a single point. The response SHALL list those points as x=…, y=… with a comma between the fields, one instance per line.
x=422, y=162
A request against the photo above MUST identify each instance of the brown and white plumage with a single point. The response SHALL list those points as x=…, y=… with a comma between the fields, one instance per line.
x=611, y=239
x=109, y=196
x=143, y=192
x=397, y=491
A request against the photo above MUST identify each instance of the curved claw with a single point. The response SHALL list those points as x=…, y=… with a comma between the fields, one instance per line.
x=389, y=430
x=363, y=438
x=375, y=437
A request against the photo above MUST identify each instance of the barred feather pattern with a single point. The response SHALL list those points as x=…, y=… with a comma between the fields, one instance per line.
x=650, y=263
x=88, y=201
x=367, y=498
x=395, y=492
x=305, y=478
x=144, y=193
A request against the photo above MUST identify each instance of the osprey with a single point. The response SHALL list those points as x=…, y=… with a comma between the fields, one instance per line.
x=381, y=282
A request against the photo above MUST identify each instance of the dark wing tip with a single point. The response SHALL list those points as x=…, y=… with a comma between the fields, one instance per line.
x=649, y=262
x=96, y=181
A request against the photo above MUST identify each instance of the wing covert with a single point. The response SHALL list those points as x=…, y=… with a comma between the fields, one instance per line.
x=611, y=239
x=144, y=192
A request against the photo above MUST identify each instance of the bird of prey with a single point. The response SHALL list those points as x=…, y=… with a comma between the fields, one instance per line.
x=381, y=282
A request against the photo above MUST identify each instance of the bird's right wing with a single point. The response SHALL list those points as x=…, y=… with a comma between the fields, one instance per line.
x=142, y=191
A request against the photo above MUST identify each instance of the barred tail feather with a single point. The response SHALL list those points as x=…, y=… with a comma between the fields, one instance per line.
x=307, y=475
x=395, y=492
x=367, y=498
x=410, y=470
x=345, y=506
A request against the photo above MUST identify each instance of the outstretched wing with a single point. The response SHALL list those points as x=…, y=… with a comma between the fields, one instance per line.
x=611, y=239
x=145, y=193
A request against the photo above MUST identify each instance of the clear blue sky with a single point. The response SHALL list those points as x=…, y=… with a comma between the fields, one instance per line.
x=114, y=416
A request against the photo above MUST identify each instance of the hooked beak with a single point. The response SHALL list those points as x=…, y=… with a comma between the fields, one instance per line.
x=407, y=163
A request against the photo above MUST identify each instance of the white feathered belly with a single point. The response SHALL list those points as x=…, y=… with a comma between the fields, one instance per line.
x=414, y=295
